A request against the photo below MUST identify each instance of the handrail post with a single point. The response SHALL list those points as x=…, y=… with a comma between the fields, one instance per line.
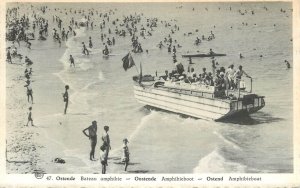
x=251, y=85
x=239, y=86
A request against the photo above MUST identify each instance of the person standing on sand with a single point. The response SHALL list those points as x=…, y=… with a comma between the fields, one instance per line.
x=30, y=117
x=104, y=149
x=106, y=140
x=29, y=91
x=125, y=157
x=66, y=98
x=93, y=138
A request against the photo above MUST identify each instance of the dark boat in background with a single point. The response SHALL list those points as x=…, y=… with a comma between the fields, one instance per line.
x=203, y=55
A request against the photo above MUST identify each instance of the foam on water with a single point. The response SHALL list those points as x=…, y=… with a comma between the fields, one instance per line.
x=230, y=141
x=214, y=162
x=144, y=121
x=80, y=95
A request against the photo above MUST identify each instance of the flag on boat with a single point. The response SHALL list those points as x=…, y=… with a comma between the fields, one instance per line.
x=127, y=62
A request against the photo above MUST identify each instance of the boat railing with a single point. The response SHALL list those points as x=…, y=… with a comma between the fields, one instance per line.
x=241, y=86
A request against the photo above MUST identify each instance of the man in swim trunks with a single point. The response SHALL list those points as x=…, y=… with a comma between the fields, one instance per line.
x=29, y=91
x=93, y=138
x=238, y=76
x=66, y=98
x=105, y=149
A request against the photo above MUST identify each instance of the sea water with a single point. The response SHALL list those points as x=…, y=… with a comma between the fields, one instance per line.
x=162, y=142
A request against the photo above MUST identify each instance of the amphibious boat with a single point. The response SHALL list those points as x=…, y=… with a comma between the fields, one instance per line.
x=196, y=100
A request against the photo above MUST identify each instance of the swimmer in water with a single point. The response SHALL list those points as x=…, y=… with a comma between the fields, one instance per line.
x=72, y=62
x=288, y=65
x=90, y=42
x=84, y=49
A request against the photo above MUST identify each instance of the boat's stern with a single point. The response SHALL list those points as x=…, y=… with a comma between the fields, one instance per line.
x=249, y=103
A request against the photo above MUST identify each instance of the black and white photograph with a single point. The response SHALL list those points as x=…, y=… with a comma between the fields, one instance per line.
x=149, y=87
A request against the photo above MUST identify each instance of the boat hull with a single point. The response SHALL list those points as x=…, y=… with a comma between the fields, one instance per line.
x=189, y=104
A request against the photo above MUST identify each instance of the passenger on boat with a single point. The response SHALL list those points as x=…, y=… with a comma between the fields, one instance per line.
x=209, y=80
x=200, y=79
x=191, y=75
x=230, y=76
x=217, y=76
x=165, y=77
x=211, y=52
x=195, y=79
x=238, y=75
x=179, y=67
x=222, y=69
x=170, y=78
x=204, y=74
x=220, y=85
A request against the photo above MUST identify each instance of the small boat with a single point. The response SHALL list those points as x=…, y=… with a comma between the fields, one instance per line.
x=203, y=55
x=196, y=100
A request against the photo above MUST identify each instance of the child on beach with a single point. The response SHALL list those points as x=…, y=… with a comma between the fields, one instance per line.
x=30, y=117
x=103, y=158
x=125, y=157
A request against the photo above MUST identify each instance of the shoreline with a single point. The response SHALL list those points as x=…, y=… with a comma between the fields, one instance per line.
x=42, y=138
